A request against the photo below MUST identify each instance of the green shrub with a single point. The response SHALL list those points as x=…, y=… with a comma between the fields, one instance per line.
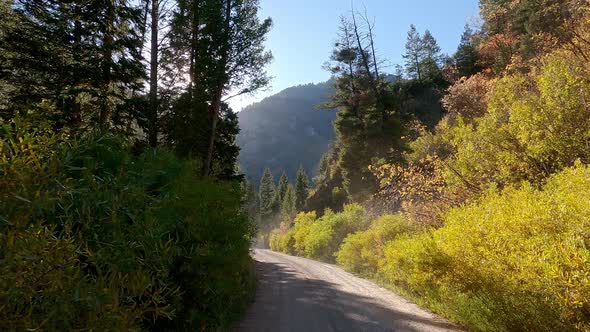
x=92, y=236
x=516, y=260
x=361, y=252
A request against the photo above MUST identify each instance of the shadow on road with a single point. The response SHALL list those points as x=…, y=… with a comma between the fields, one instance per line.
x=287, y=300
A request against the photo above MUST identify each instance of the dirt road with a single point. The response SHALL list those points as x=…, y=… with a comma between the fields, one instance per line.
x=298, y=294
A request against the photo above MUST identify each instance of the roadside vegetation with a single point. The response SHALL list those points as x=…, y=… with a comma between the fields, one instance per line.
x=121, y=206
x=483, y=216
x=93, y=235
x=514, y=259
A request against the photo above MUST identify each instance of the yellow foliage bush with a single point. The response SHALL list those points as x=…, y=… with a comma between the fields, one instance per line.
x=361, y=252
x=281, y=239
x=319, y=238
x=535, y=125
x=522, y=256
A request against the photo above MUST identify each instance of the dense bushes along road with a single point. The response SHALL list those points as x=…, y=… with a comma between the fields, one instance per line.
x=518, y=259
x=93, y=236
x=486, y=216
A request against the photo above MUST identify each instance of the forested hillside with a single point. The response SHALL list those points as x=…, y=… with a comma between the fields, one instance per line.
x=482, y=214
x=120, y=205
x=286, y=130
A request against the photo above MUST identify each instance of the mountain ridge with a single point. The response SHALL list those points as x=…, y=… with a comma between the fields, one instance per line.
x=285, y=130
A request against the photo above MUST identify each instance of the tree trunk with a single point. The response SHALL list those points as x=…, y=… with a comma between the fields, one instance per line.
x=364, y=56
x=216, y=102
x=377, y=86
x=194, y=44
x=353, y=89
x=365, y=59
x=362, y=50
x=108, y=40
x=153, y=115
x=418, y=68
x=214, y=114
x=74, y=108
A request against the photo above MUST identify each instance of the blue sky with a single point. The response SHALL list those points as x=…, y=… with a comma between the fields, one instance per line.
x=304, y=31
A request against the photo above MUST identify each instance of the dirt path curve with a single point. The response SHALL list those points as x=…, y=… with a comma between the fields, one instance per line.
x=298, y=294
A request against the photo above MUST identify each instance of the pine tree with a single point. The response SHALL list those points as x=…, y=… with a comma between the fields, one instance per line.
x=466, y=56
x=226, y=147
x=324, y=169
x=301, y=189
x=40, y=40
x=430, y=47
x=431, y=65
x=367, y=124
x=351, y=121
x=423, y=58
x=267, y=194
x=288, y=206
x=414, y=53
x=282, y=188
x=82, y=60
x=120, y=66
x=219, y=47
x=240, y=58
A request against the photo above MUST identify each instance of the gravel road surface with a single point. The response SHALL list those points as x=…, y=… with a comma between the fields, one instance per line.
x=298, y=294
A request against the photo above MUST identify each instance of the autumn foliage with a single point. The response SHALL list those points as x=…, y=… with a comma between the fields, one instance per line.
x=485, y=219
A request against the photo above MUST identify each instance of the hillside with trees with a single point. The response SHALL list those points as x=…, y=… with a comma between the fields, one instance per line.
x=286, y=130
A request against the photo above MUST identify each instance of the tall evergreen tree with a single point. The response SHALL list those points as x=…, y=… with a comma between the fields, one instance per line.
x=431, y=65
x=430, y=47
x=367, y=124
x=226, y=153
x=301, y=189
x=324, y=169
x=267, y=194
x=79, y=59
x=219, y=45
x=423, y=58
x=350, y=124
x=414, y=53
x=288, y=204
x=282, y=187
x=466, y=55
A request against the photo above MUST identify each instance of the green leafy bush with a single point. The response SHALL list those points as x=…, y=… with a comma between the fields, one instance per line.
x=91, y=235
x=516, y=260
x=362, y=252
